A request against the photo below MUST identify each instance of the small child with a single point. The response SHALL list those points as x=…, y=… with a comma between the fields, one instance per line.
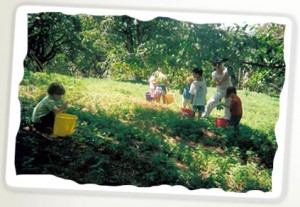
x=44, y=113
x=236, y=109
x=152, y=86
x=186, y=96
x=198, y=91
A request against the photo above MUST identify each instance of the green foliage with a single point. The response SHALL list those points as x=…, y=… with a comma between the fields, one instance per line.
x=122, y=139
x=51, y=34
x=123, y=48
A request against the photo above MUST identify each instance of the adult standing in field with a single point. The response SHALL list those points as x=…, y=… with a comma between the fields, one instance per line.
x=222, y=80
x=162, y=85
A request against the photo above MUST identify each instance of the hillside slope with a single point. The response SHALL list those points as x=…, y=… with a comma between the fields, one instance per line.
x=122, y=139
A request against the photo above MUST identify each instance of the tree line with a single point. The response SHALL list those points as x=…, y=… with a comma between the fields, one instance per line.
x=123, y=48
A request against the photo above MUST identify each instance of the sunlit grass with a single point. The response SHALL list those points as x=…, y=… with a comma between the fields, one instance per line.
x=116, y=114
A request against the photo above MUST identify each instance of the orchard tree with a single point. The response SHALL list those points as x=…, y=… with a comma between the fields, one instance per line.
x=50, y=34
x=127, y=48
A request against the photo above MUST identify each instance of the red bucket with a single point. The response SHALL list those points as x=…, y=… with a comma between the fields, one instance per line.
x=186, y=113
x=220, y=122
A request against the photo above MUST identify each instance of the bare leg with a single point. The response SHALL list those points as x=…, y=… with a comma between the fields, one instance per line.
x=210, y=106
x=164, y=98
x=199, y=115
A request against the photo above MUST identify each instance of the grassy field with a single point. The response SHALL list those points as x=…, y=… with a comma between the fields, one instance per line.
x=122, y=139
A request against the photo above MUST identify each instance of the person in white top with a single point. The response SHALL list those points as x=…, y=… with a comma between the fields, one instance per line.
x=152, y=86
x=222, y=79
x=198, y=91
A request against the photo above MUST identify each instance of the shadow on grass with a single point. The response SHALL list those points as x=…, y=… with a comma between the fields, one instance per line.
x=250, y=144
x=150, y=148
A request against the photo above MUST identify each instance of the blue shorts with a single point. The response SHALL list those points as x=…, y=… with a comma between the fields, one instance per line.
x=199, y=108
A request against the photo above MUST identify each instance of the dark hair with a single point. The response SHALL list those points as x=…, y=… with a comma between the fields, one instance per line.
x=56, y=89
x=198, y=71
x=218, y=62
x=230, y=89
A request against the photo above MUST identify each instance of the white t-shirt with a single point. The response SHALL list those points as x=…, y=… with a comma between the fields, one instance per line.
x=43, y=108
x=225, y=84
x=198, y=90
x=151, y=79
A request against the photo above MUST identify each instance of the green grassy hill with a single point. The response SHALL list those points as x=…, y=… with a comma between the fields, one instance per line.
x=122, y=139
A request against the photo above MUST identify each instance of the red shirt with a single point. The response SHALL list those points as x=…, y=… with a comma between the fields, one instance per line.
x=236, y=106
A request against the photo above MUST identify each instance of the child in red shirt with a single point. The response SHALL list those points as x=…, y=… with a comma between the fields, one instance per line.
x=236, y=109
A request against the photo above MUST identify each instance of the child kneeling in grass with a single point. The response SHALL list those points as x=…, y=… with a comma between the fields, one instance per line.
x=236, y=109
x=43, y=115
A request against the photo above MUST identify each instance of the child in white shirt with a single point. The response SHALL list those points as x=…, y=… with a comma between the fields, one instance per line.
x=198, y=91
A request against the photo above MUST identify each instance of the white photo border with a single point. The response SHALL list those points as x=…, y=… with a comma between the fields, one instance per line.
x=47, y=182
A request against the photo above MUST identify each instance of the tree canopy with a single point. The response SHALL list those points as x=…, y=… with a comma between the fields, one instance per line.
x=127, y=48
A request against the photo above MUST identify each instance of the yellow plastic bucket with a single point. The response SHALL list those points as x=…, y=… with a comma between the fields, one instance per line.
x=64, y=124
x=169, y=98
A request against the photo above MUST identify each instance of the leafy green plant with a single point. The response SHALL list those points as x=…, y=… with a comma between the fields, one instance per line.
x=122, y=139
